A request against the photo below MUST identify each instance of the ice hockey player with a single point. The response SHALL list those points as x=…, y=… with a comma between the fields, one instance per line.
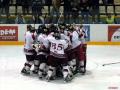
x=42, y=51
x=70, y=52
x=83, y=49
x=58, y=57
x=29, y=50
x=66, y=34
x=78, y=48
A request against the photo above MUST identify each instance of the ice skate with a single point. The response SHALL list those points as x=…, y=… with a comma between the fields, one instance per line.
x=82, y=70
x=35, y=71
x=25, y=72
x=40, y=75
x=68, y=78
x=49, y=78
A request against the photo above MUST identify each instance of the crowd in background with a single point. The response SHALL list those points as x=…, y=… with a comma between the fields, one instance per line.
x=72, y=10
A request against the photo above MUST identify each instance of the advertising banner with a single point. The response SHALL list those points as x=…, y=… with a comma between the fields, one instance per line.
x=114, y=33
x=87, y=32
x=8, y=33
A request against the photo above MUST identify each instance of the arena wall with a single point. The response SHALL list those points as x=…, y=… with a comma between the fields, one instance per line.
x=97, y=34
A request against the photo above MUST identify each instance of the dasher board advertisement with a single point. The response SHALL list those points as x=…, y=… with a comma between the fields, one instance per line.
x=8, y=33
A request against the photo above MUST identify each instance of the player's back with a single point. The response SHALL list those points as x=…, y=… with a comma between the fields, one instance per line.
x=29, y=39
x=57, y=47
x=42, y=38
x=75, y=39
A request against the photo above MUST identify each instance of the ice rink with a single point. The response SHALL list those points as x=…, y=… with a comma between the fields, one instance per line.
x=98, y=77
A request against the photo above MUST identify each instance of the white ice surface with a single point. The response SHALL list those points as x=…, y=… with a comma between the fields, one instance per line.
x=97, y=77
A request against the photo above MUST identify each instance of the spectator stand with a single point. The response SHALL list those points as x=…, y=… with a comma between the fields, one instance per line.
x=16, y=7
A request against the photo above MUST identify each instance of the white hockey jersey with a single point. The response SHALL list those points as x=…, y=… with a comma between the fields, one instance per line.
x=43, y=44
x=64, y=37
x=57, y=47
x=29, y=40
x=75, y=39
x=83, y=35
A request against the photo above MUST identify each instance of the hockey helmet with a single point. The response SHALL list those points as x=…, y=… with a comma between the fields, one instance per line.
x=70, y=27
x=40, y=29
x=32, y=29
x=57, y=35
x=45, y=30
x=62, y=25
x=29, y=27
x=53, y=28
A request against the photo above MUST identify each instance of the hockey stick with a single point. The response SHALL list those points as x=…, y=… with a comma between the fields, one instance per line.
x=110, y=63
x=59, y=21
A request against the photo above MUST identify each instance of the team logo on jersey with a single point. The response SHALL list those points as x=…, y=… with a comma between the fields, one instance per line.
x=114, y=33
x=8, y=33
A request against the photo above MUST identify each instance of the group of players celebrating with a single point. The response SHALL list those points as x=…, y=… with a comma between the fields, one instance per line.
x=55, y=51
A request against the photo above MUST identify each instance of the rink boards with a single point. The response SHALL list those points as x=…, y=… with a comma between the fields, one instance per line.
x=88, y=43
x=97, y=34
